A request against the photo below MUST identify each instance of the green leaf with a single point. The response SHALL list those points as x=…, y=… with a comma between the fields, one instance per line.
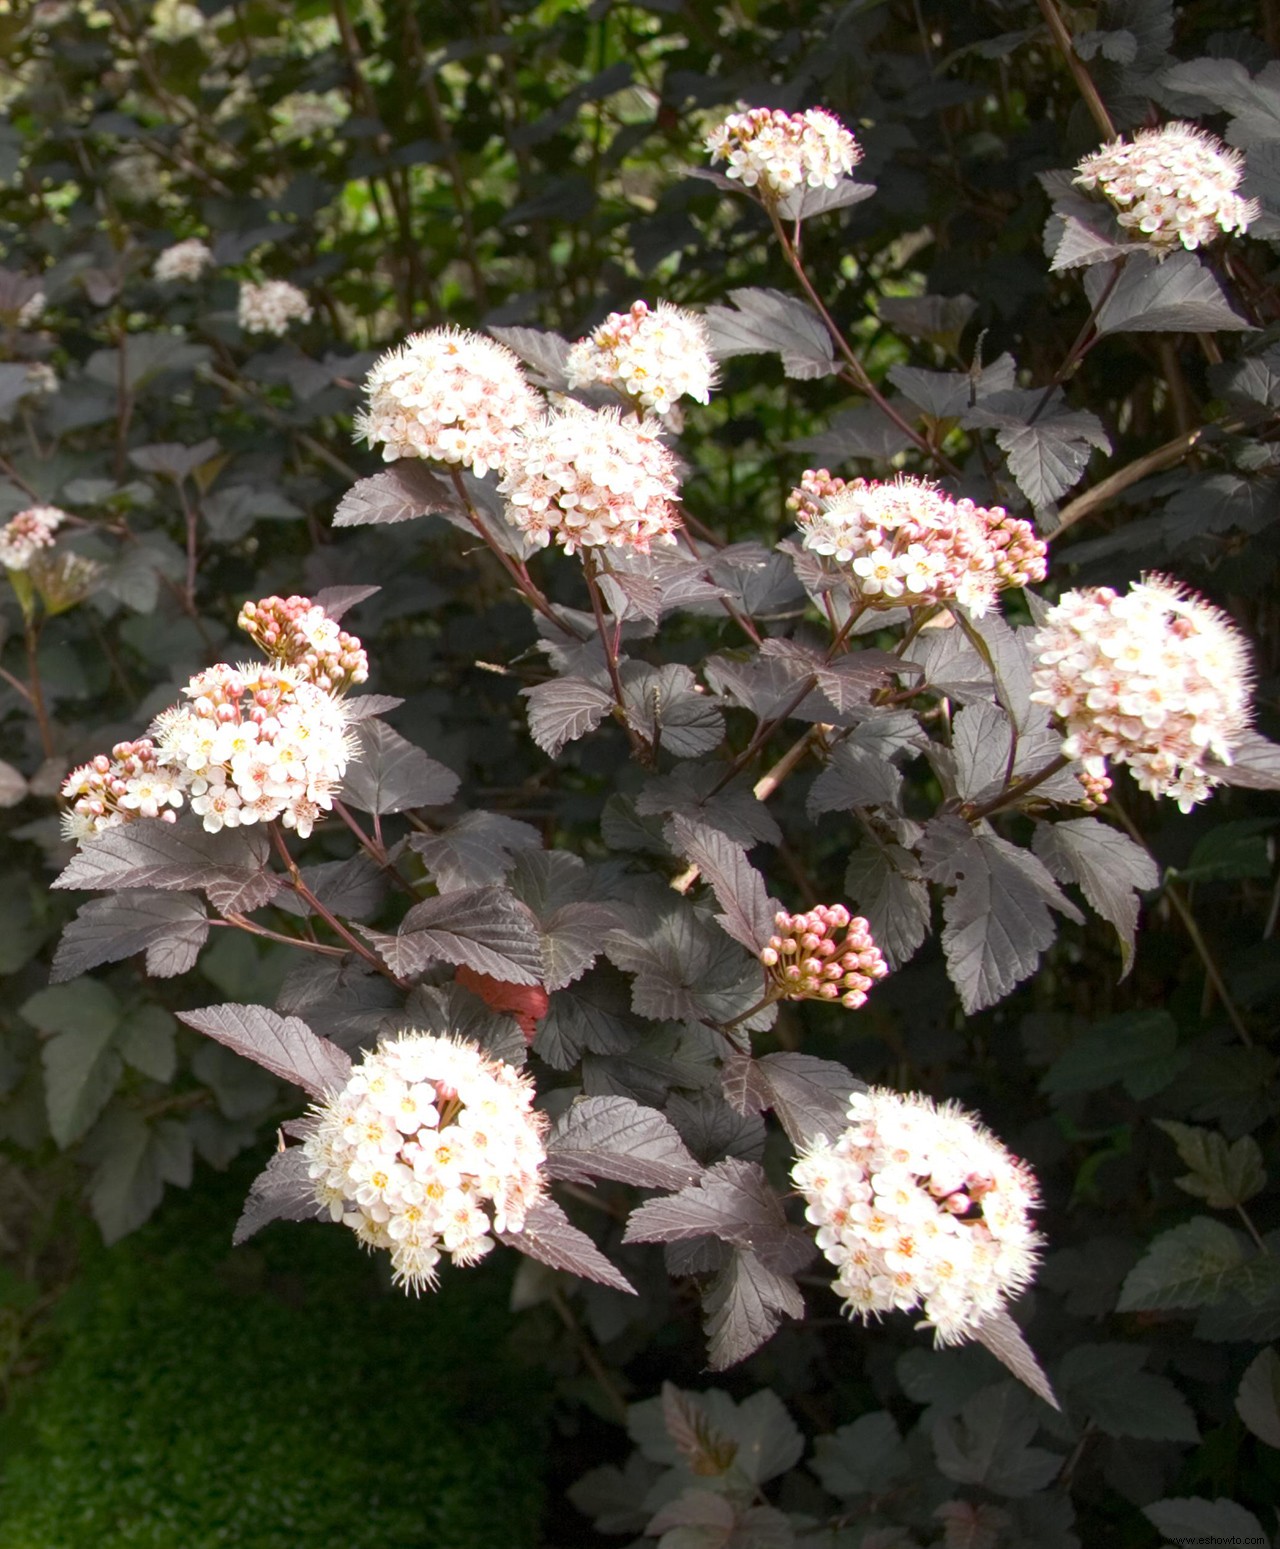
x=81, y=1068
x=1231, y=852
x=1138, y=1050
x=1197, y=1521
x=84, y=1005
x=135, y=1161
x=1222, y=1175
x=147, y=1041
x=1105, y=1383
x=1190, y=1266
x=861, y=1458
x=987, y=1443
x=1258, y=1401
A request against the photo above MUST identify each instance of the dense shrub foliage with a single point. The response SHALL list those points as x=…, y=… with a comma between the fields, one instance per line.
x=642, y=684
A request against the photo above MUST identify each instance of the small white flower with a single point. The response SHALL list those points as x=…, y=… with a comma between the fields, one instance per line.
x=432, y=1147
x=589, y=478
x=271, y=307
x=651, y=357
x=24, y=535
x=777, y=152
x=1173, y=185
x=899, y=1234
x=449, y=396
x=183, y=261
x=1157, y=679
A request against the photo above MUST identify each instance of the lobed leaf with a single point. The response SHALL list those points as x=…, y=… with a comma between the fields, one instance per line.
x=170, y=927
x=282, y=1191
x=405, y=490
x=615, y=1137
x=551, y=1238
x=390, y=774
x=284, y=1045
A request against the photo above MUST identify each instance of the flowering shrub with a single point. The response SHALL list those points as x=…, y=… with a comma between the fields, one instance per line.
x=621, y=710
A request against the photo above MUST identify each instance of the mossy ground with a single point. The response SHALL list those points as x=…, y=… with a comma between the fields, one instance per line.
x=278, y=1394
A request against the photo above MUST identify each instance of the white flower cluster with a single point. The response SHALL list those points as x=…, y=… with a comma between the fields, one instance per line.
x=918, y=1205
x=1157, y=679
x=654, y=357
x=42, y=380
x=777, y=152
x=23, y=536
x=252, y=743
x=32, y=309
x=590, y=478
x=110, y=790
x=447, y=395
x=806, y=961
x=304, y=114
x=1176, y=184
x=271, y=307
x=296, y=632
x=905, y=542
x=184, y=261
x=429, y=1147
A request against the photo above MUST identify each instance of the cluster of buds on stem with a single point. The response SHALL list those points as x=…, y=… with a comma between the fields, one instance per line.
x=26, y=534
x=296, y=632
x=806, y=961
x=110, y=790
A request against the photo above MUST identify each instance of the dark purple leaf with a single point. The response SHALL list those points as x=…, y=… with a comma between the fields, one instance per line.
x=563, y=710
x=743, y=1306
x=170, y=927
x=390, y=774
x=401, y=492
x=282, y=1191
x=551, y=1238
x=285, y=1046
x=809, y=1095
x=614, y=1137
x=748, y=910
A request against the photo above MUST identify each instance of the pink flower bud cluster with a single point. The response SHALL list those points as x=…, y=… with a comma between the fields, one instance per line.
x=807, y=961
x=905, y=542
x=256, y=743
x=271, y=307
x=429, y=1148
x=917, y=1205
x=252, y=743
x=815, y=488
x=108, y=791
x=654, y=357
x=296, y=632
x=776, y=152
x=184, y=261
x=1157, y=679
x=590, y=478
x=447, y=395
x=23, y=536
x=1176, y=184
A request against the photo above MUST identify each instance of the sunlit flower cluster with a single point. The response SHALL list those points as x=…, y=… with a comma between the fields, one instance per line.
x=1176, y=184
x=905, y=542
x=589, y=478
x=301, y=115
x=920, y=1206
x=271, y=307
x=653, y=356
x=1157, y=679
x=42, y=379
x=255, y=743
x=808, y=960
x=24, y=535
x=429, y=1148
x=32, y=309
x=110, y=790
x=447, y=395
x=296, y=632
x=776, y=152
x=185, y=261
x=250, y=744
